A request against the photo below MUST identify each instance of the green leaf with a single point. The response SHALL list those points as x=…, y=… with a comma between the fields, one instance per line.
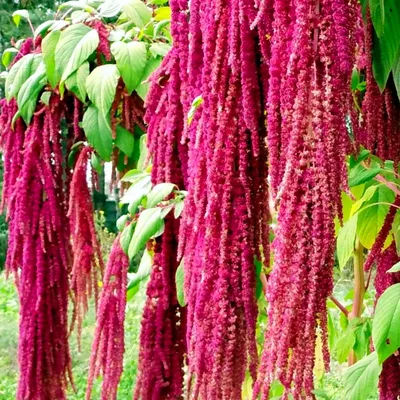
x=20, y=15
x=126, y=237
x=121, y=222
x=396, y=75
x=386, y=324
x=195, y=105
x=101, y=87
x=49, y=44
x=372, y=216
x=395, y=268
x=162, y=13
x=366, y=196
x=321, y=394
x=137, y=12
x=345, y=344
x=363, y=334
x=151, y=66
x=125, y=140
x=148, y=224
x=8, y=56
x=158, y=28
x=43, y=28
x=345, y=241
x=159, y=193
x=377, y=9
x=143, y=151
x=361, y=379
x=75, y=46
x=160, y=49
x=95, y=162
x=178, y=209
x=143, y=271
x=28, y=95
x=110, y=8
x=179, y=282
x=19, y=73
x=131, y=59
x=384, y=54
x=45, y=98
x=133, y=175
x=76, y=82
x=359, y=174
x=98, y=131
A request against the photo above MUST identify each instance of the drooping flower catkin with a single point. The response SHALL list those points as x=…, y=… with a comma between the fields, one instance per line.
x=38, y=252
x=312, y=55
x=224, y=223
x=108, y=345
x=389, y=383
x=88, y=264
x=162, y=337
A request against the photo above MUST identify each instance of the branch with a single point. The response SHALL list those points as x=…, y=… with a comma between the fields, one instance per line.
x=339, y=305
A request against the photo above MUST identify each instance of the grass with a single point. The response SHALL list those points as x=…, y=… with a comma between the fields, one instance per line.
x=9, y=342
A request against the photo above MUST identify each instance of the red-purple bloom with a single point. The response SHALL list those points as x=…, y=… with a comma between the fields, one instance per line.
x=108, y=345
x=38, y=252
x=88, y=265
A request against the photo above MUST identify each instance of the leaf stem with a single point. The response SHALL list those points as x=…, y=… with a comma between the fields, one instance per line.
x=339, y=305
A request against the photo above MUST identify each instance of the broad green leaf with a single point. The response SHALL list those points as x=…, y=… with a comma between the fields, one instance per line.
x=157, y=2
x=19, y=73
x=133, y=175
x=385, y=53
x=359, y=174
x=361, y=379
x=162, y=13
x=320, y=394
x=28, y=95
x=345, y=241
x=8, y=56
x=366, y=196
x=98, y=131
x=372, y=215
x=49, y=44
x=82, y=5
x=121, y=222
x=131, y=59
x=111, y=8
x=148, y=224
x=137, y=12
x=125, y=140
x=158, y=28
x=377, y=10
x=143, y=152
x=179, y=282
x=159, y=193
x=178, y=209
x=143, y=271
x=363, y=334
x=45, y=98
x=160, y=49
x=101, y=86
x=151, y=66
x=20, y=15
x=396, y=74
x=95, y=162
x=43, y=28
x=344, y=344
x=395, y=268
x=76, y=82
x=386, y=324
x=126, y=237
x=75, y=46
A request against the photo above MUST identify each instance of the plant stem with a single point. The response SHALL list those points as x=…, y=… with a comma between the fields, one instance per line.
x=340, y=306
x=359, y=289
